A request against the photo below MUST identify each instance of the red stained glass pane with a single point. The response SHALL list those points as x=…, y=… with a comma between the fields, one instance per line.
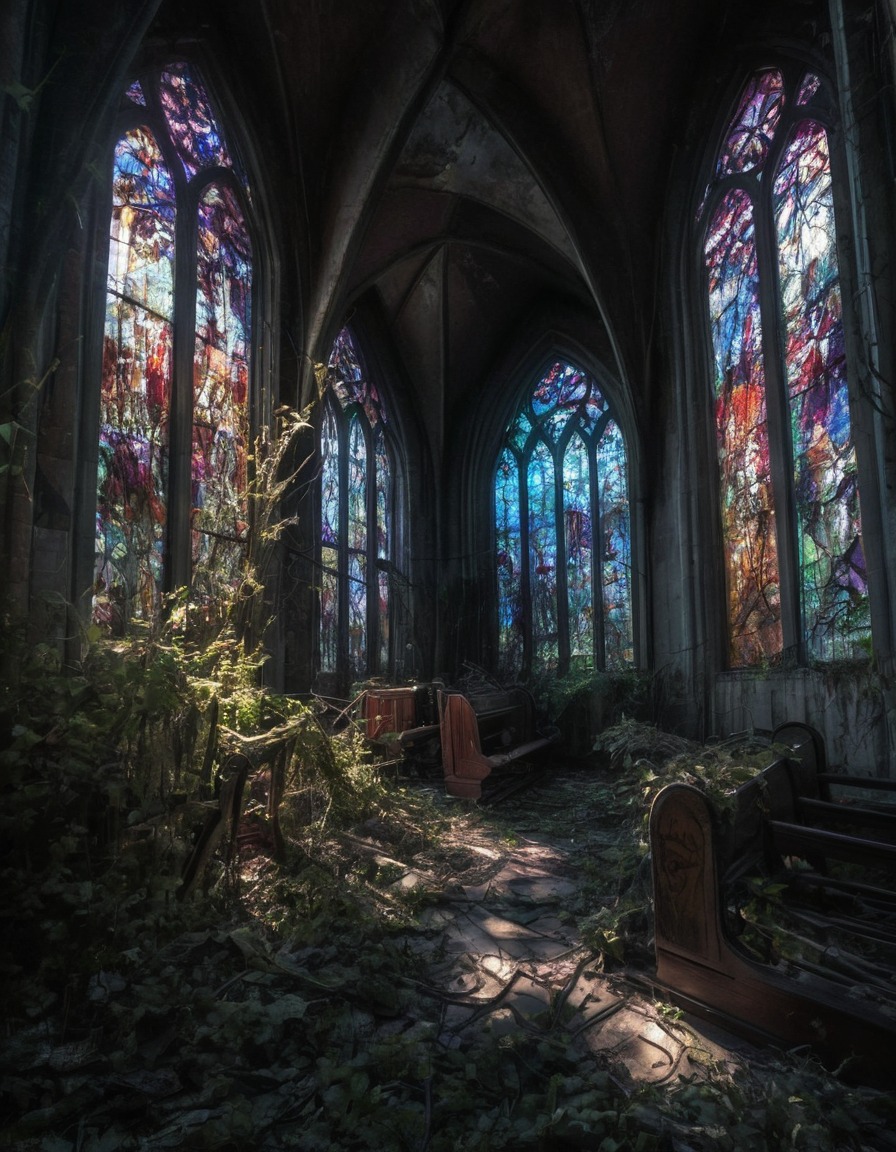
x=748, y=512
x=136, y=385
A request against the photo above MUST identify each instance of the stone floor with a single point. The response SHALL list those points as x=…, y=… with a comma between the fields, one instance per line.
x=503, y=953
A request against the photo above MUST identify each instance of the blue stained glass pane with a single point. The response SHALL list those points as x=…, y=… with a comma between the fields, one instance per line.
x=547, y=391
x=835, y=609
x=519, y=432
x=543, y=555
x=357, y=549
x=191, y=122
x=135, y=94
x=553, y=440
x=509, y=549
x=594, y=409
x=616, y=559
x=578, y=538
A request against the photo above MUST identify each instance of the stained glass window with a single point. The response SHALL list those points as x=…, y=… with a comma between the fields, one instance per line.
x=159, y=292
x=562, y=531
x=789, y=483
x=357, y=521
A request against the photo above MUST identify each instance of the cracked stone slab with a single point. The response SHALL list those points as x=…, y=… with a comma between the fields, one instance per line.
x=641, y=1047
x=480, y=932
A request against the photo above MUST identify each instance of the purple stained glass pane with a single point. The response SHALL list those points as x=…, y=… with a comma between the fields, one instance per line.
x=329, y=534
x=191, y=122
x=810, y=85
x=363, y=506
x=357, y=548
x=753, y=127
x=509, y=551
x=616, y=557
x=349, y=380
x=135, y=397
x=135, y=94
x=383, y=540
x=543, y=555
x=221, y=387
x=832, y=569
x=579, y=547
x=748, y=513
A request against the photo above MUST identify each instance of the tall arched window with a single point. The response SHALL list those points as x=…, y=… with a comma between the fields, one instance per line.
x=174, y=408
x=791, y=521
x=357, y=520
x=562, y=531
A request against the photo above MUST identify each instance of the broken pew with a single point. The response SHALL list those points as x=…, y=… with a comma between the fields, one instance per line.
x=775, y=831
x=484, y=732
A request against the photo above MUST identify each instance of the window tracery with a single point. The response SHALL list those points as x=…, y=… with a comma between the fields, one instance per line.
x=562, y=531
x=788, y=471
x=174, y=405
x=357, y=520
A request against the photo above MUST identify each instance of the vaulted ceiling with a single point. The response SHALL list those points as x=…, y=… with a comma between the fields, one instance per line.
x=469, y=170
x=473, y=166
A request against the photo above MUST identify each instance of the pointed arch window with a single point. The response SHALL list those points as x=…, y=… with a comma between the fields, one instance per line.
x=358, y=536
x=789, y=495
x=174, y=404
x=563, y=532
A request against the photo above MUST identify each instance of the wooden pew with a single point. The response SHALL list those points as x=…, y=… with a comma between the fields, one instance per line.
x=486, y=732
x=775, y=830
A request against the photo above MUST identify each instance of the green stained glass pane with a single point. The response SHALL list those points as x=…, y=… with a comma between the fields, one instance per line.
x=833, y=579
x=543, y=555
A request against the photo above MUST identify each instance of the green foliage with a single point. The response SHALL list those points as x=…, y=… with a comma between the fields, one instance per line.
x=110, y=769
x=608, y=695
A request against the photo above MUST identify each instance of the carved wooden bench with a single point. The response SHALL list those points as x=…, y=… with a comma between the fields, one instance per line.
x=779, y=829
x=485, y=732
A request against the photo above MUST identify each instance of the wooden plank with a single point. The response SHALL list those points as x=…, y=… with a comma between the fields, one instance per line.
x=798, y=840
x=827, y=810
